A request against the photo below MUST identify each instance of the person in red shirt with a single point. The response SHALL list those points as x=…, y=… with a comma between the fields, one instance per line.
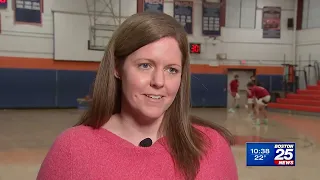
x=234, y=86
x=250, y=104
x=261, y=99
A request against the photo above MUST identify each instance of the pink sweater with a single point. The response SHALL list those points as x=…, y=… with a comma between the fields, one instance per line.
x=82, y=153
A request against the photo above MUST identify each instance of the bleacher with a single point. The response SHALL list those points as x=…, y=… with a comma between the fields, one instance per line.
x=297, y=100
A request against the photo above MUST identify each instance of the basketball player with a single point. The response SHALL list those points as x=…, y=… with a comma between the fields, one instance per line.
x=250, y=104
x=234, y=86
x=253, y=79
x=261, y=98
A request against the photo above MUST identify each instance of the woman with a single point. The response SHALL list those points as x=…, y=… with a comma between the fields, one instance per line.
x=142, y=91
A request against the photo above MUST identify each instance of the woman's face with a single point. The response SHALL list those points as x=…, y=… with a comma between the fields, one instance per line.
x=151, y=78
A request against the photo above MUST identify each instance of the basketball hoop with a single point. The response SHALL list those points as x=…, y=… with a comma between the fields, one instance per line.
x=211, y=1
x=211, y=40
x=213, y=37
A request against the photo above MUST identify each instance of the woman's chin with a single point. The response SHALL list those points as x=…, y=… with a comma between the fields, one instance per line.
x=152, y=114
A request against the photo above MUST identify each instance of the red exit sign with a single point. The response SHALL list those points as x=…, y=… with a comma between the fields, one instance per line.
x=3, y=4
x=195, y=48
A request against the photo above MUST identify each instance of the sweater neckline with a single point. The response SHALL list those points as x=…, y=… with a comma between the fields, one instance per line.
x=116, y=140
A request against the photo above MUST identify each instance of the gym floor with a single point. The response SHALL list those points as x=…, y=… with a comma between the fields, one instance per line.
x=26, y=135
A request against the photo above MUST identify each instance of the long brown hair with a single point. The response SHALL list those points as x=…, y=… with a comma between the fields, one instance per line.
x=186, y=143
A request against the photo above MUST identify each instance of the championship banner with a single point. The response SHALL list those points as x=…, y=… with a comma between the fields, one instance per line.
x=271, y=22
x=183, y=11
x=0, y=23
x=3, y=4
x=153, y=5
x=28, y=11
x=210, y=18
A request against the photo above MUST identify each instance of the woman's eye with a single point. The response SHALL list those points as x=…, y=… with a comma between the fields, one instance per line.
x=144, y=65
x=173, y=70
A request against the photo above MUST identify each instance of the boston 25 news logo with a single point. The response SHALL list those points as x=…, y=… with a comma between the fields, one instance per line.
x=284, y=154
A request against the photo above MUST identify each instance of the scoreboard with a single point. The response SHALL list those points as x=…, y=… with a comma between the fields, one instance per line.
x=194, y=48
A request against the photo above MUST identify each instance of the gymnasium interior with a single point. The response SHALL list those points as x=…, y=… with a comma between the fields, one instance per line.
x=50, y=51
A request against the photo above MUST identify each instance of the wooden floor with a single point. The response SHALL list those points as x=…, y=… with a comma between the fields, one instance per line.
x=26, y=135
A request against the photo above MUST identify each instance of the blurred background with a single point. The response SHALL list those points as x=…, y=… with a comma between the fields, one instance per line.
x=50, y=51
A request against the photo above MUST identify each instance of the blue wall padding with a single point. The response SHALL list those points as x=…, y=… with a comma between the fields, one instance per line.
x=72, y=85
x=30, y=88
x=276, y=82
x=264, y=81
x=27, y=88
x=208, y=90
x=271, y=82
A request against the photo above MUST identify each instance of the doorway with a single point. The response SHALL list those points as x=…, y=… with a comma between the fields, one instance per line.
x=244, y=78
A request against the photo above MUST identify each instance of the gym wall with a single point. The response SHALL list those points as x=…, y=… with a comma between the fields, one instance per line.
x=308, y=39
x=50, y=66
x=45, y=83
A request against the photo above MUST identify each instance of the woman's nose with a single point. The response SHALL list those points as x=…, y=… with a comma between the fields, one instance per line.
x=158, y=79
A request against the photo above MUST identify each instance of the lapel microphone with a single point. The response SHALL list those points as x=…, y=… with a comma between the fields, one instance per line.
x=147, y=142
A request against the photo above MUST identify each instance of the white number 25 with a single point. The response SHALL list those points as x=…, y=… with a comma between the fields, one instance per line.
x=284, y=154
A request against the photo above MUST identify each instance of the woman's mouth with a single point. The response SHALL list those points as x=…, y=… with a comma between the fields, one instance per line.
x=154, y=96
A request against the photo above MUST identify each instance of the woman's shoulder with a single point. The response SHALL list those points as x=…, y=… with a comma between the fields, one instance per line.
x=70, y=140
x=75, y=130
x=218, y=162
x=62, y=153
x=214, y=137
x=71, y=135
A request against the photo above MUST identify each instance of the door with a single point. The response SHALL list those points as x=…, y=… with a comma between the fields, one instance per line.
x=244, y=78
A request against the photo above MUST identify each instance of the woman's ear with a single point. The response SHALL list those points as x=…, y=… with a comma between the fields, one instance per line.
x=117, y=73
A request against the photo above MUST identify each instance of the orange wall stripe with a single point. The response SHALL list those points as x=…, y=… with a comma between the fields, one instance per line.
x=42, y=63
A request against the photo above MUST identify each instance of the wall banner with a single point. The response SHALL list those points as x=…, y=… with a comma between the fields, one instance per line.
x=3, y=4
x=28, y=11
x=153, y=5
x=210, y=18
x=183, y=13
x=0, y=23
x=271, y=22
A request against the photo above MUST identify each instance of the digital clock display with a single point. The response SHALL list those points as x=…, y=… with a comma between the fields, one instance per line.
x=195, y=48
x=270, y=154
x=3, y=4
